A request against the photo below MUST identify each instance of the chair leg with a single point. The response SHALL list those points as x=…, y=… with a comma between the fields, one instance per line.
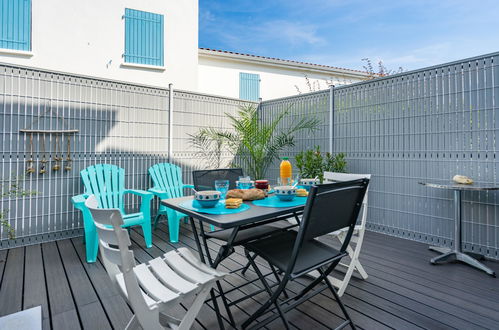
x=173, y=227
x=91, y=246
x=278, y=279
x=133, y=323
x=194, y=309
x=338, y=300
x=360, y=269
x=156, y=219
x=273, y=297
x=147, y=231
x=354, y=254
x=247, y=266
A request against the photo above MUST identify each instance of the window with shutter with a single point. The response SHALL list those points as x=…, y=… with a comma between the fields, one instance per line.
x=249, y=86
x=15, y=24
x=144, y=37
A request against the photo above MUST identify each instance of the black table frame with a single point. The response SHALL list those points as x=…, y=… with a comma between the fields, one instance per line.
x=239, y=221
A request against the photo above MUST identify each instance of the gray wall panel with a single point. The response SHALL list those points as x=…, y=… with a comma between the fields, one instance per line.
x=119, y=123
x=422, y=125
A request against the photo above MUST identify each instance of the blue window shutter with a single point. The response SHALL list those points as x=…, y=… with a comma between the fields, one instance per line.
x=249, y=86
x=15, y=24
x=144, y=37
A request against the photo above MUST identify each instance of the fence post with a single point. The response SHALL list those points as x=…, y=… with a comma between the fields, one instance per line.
x=331, y=117
x=170, y=123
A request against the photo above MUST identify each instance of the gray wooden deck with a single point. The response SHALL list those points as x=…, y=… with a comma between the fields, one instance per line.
x=403, y=290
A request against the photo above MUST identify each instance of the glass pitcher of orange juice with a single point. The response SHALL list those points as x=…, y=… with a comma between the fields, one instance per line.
x=285, y=171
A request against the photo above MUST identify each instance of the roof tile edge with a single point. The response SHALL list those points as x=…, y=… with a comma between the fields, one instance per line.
x=209, y=51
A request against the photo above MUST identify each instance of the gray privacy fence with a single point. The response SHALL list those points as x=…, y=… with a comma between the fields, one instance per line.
x=119, y=123
x=424, y=125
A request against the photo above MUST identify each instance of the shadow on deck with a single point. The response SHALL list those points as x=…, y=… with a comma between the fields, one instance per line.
x=403, y=290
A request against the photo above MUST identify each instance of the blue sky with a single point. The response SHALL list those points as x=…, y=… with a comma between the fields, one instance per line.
x=411, y=34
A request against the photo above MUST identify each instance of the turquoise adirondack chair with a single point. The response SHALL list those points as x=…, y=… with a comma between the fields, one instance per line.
x=107, y=183
x=167, y=180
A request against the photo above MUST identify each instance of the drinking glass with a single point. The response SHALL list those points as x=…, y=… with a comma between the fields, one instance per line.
x=244, y=182
x=222, y=186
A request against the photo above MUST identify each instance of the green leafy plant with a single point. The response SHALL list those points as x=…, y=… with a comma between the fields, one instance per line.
x=254, y=144
x=336, y=163
x=311, y=163
x=11, y=188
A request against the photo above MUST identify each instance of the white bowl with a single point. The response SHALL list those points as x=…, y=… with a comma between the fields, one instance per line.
x=285, y=193
x=207, y=198
x=307, y=183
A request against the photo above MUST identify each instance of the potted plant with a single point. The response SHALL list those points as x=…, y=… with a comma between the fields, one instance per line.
x=312, y=163
x=253, y=144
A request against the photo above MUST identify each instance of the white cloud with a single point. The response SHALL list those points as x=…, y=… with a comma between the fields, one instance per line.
x=294, y=33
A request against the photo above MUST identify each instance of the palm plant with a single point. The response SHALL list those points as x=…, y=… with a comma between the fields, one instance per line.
x=253, y=143
x=209, y=145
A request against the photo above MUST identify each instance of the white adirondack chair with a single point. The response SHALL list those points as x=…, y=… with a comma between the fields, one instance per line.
x=358, y=234
x=152, y=289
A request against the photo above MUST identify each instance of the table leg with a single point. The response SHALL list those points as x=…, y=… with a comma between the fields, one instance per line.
x=456, y=253
x=201, y=256
x=214, y=264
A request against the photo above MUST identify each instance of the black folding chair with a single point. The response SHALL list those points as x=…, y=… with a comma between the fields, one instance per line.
x=329, y=207
x=205, y=180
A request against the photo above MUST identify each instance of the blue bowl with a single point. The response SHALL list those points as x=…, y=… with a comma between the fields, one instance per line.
x=208, y=203
x=285, y=198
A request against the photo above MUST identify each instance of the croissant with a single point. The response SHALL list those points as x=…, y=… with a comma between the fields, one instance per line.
x=246, y=194
x=462, y=179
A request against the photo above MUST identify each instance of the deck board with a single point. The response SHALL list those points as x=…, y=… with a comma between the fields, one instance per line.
x=62, y=307
x=89, y=308
x=35, y=291
x=11, y=289
x=403, y=291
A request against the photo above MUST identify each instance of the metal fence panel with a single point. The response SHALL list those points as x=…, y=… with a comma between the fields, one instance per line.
x=118, y=123
x=423, y=125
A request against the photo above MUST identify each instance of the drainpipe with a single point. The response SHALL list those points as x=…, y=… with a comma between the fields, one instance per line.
x=170, y=123
x=331, y=117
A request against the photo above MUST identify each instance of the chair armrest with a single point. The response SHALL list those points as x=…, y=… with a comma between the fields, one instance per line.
x=79, y=201
x=160, y=193
x=141, y=193
x=145, y=205
x=191, y=186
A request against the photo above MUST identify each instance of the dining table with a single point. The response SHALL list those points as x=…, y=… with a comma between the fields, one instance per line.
x=253, y=216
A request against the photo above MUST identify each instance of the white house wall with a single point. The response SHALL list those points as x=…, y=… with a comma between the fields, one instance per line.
x=221, y=77
x=87, y=37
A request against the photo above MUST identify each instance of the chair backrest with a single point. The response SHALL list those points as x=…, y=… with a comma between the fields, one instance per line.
x=167, y=177
x=205, y=179
x=114, y=243
x=341, y=177
x=107, y=183
x=330, y=207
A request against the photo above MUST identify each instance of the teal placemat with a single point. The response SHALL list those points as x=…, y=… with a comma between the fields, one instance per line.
x=193, y=205
x=273, y=201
